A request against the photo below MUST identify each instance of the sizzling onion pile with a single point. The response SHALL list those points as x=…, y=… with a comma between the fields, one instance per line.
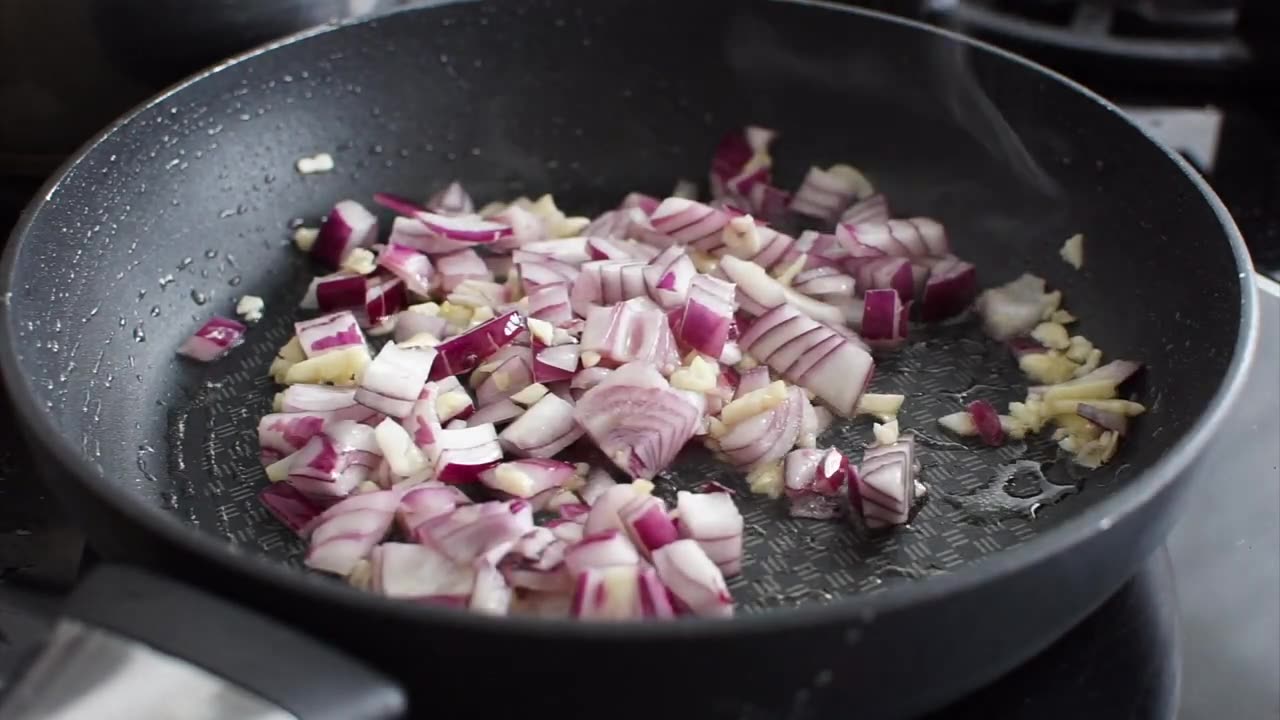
x=446, y=467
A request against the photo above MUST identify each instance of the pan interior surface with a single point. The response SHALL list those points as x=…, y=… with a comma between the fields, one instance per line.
x=187, y=206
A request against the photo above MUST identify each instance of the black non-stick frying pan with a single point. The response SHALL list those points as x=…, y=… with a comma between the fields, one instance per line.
x=184, y=205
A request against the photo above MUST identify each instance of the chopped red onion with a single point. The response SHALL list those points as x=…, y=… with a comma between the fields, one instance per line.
x=824, y=283
x=555, y=363
x=452, y=200
x=620, y=593
x=526, y=227
x=914, y=237
x=460, y=266
x=348, y=226
x=600, y=550
x=215, y=338
x=605, y=282
x=293, y=509
x=758, y=292
x=281, y=434
x=511, y=373
x=469, y=531
x=637, y=419
x=693, y=579
x=462, y=353
x=339, y=402
x=410, y=324
x=752, y=380
x=426, y=501
x=334, y=462
x=815, y=482
x=987, y=419
x=339, y=291
x=708, y=315
x=883, y=273
x=741, y=163
x=1014, y=308
x=550, y=303
x=347, y=532
x=411, y=266
x=605, y=508
x=383, y=299
x=632, y=331
x=545, y=429
x=498, y=413
x=766, y=437
x=871, y=209
x=884, y=319
x=647, y=523
x=398, y=204
x=1106, y=419
x=528, y=477
x=464, y=453
x=885, y=484
x=713, y=521
x=420, y=573
x=689, y=222
x=598, y=481
x=811, y=355
x=949, y=289
x=667, y=277
x=825, y=194
x=392, y=382
x=464, y=229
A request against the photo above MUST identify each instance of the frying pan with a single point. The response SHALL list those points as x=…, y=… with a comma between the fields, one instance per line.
x=184, y=205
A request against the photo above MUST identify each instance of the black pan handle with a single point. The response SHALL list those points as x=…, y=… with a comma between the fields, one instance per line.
x=133, y=645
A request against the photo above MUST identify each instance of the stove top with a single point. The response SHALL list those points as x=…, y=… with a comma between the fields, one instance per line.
x=1196, y=633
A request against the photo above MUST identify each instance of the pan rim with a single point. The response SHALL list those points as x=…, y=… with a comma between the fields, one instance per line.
x=859, y=609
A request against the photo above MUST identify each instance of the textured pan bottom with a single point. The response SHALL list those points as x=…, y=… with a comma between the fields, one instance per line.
x=980, y=501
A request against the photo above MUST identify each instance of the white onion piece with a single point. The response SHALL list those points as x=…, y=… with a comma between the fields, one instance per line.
x=713, y=521
x=543, y=430
x=416, y=572
x=757, y=292
x=215, y=338
x=328, y=333
x=347, y=532
x=348, y=226
x=392, y=382
x=693, y=579
x=637, y=419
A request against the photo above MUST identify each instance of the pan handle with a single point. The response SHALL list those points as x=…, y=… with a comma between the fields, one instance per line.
x=137, y=646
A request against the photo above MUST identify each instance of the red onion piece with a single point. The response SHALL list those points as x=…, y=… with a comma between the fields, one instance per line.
x=410, y=324
x=598, y=481
x=823, y=283
x=469, y=531
x=815, y=482
x=885, y=484
x=340, y=402
x=605, y=282
x=708, y=315
x=812, y=356
x=825, y=194
x=571, y=251
x=545, y=429
x=667, y=277
x=348, y=226
x=741, y=162
x=987, y=420
x=690, y=223
x=528, y=477
x=551, y=304
x=605, y=508
x=884, y=319
x=949, y=290
x=757, y=292
x=752, y=380
x=637, y=419
x=498, y=413
x=420, y=573
x=512, y=374
x=339, y=291
x=555, y=363
x=462, y=353
x=633, y=331
x=281, y=434
x=333, y=463
x=1014, y=308
x=914, y=237
x=293, y=509
x=647, y=523
x=392, y=382
x=768, y=436
x=464, y=453
x=426, y=501
x=215, y=338
x=409, y=265
x=467, y=229
x=871, y=209
x=347, y=532
x=398, y=204
x=452, y=200
x=713, y=521
x=526, y=227
x=881, y=273
x=693, y=579
x=620, y=593
x=600, y=550
x=383, y=298
x=490, y=594
x=460, y=266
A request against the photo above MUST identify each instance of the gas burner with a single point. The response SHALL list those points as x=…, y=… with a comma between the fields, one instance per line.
x=1175, y=33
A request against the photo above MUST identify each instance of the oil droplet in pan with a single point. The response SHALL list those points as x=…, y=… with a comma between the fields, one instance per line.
x=1018, y=489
